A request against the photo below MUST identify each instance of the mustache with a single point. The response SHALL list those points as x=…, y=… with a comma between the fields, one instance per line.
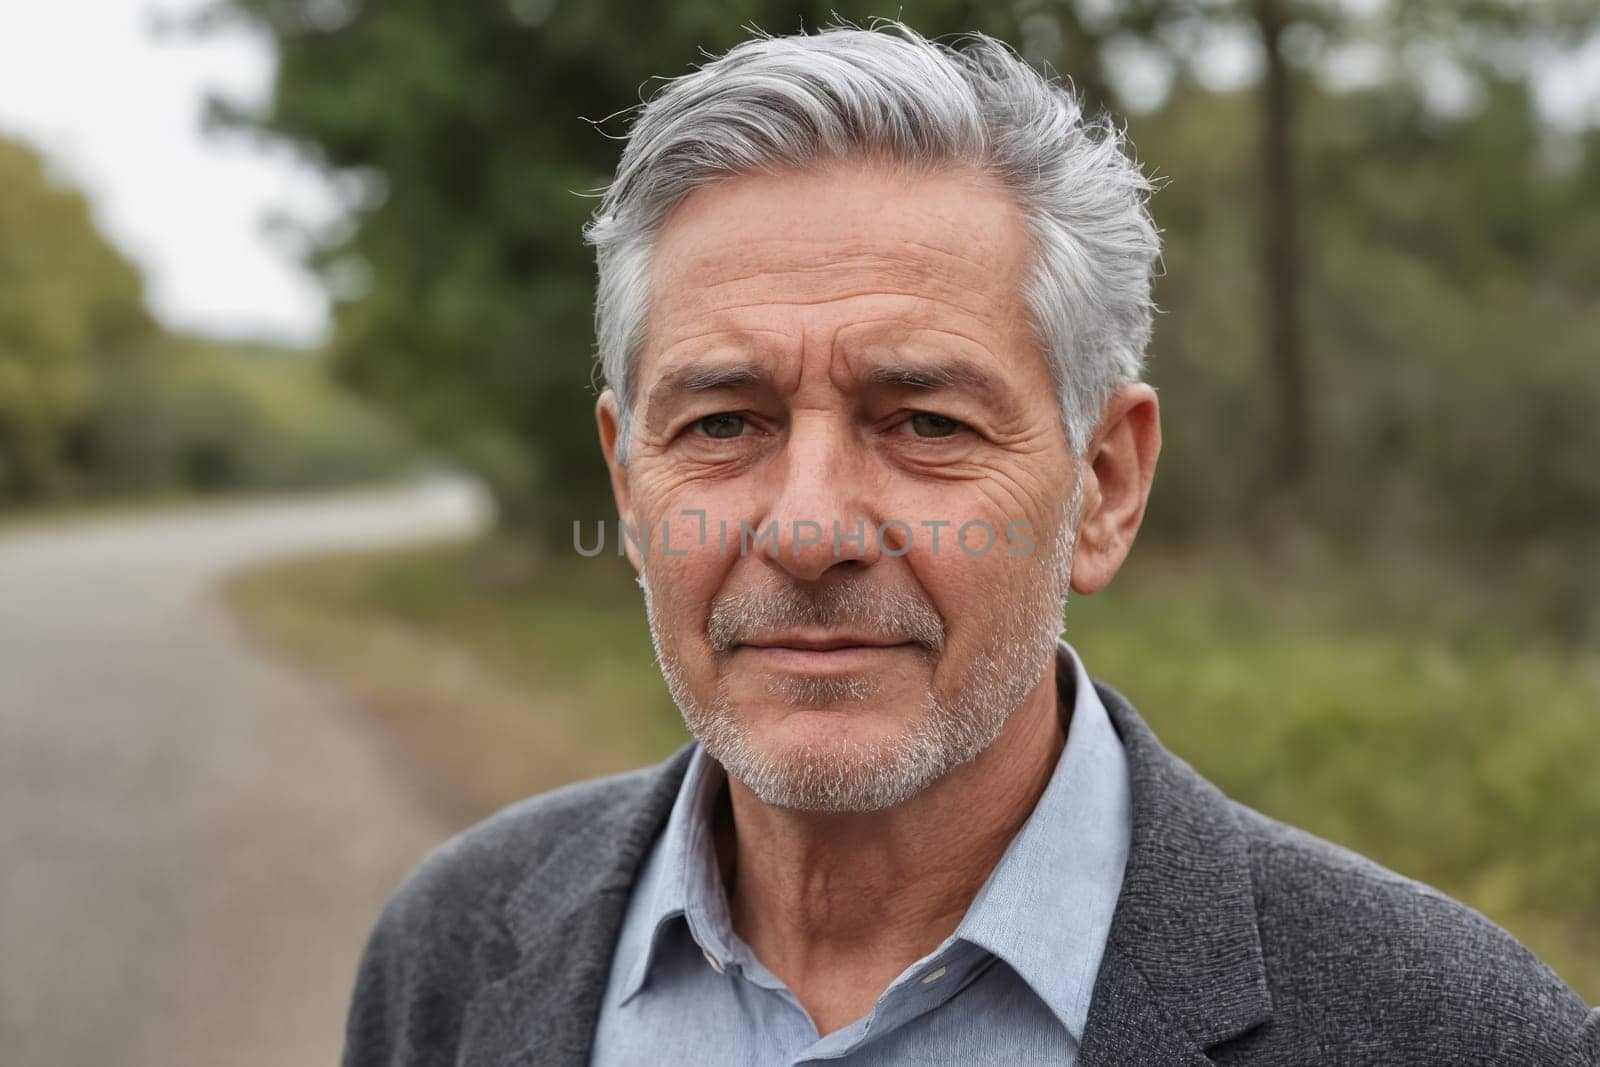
x=866, y=611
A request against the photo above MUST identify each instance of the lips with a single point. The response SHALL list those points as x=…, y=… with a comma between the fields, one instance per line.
x=831, y=643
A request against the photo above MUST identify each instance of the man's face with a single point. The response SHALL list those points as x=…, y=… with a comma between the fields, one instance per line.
x=845, y=353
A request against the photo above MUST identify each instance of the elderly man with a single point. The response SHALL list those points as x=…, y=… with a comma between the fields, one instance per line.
x=872, y=313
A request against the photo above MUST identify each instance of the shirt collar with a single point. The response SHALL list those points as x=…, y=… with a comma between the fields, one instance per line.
x=1045, y=909
x=683, y=868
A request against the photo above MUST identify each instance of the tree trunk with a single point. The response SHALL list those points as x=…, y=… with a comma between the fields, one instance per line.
x=1280, y=260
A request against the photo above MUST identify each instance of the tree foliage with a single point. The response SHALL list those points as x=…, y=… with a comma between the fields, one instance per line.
x=478, y=131
x=71, y=308
x=1448, y=261
x=96, y=399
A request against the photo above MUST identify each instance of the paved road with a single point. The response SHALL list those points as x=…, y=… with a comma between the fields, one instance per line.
x=194, y=837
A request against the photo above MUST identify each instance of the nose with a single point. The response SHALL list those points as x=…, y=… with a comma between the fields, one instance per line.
x=819, y=521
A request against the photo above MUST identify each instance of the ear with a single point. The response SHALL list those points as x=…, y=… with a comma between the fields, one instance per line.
x=1117, y=472
x=608, y=418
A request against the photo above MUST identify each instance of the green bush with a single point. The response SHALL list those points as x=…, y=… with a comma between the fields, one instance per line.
x=96, y=400
x=208, y=418
x=71, y=311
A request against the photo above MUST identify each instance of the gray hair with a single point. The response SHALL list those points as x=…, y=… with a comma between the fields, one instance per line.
x=776, y=103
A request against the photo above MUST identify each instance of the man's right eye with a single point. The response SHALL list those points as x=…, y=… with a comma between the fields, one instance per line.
x=722, y=426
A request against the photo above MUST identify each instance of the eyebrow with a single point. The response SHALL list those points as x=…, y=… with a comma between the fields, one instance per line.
x=699, y=378
x=942, y=374
x=945, y=374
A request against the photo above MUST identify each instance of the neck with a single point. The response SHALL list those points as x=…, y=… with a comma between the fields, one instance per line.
x=838, y=905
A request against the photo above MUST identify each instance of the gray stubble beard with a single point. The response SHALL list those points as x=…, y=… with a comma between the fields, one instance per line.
x=849, y=776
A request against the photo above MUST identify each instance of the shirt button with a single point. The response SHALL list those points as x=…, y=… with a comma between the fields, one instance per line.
x=933, y=976
x=716, y=964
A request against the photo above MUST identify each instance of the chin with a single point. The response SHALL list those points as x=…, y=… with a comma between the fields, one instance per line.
x=836, y=774
x=828, y=759
x=835, y=728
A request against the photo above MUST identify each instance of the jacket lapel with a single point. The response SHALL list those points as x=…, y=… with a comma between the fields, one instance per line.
x=1129, y=1024
x=566, y=917
x=1183, y=969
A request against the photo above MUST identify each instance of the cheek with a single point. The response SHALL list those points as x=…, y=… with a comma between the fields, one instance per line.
x=684, y=577
x=981, y=565
x=969, y=587
x=696, y=529
x=693, y=542
x=959, y=526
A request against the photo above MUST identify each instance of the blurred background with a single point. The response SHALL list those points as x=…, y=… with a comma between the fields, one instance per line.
x=296, y=416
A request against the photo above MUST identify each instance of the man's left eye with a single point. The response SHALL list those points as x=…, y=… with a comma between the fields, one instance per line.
x=927, y=424
x=721, y=426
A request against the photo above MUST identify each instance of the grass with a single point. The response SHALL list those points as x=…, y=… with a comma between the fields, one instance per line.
x=1392, y=709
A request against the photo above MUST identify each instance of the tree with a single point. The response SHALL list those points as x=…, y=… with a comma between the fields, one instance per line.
x=71, y=308
x=1489, y=41
x=472, y=136
x=465, y=292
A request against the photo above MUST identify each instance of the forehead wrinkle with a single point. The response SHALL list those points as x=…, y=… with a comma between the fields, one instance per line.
x=752, y=231
x=811, y=271
x=741, y=341
x=837, y=298
x=947, y=305
x=980, y=342
x=983, y=245
x=817, y=288
x=804, y=259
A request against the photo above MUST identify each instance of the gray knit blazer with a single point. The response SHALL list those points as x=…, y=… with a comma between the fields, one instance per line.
x=1236, y=940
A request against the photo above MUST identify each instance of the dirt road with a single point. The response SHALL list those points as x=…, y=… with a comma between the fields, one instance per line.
x=194, y=837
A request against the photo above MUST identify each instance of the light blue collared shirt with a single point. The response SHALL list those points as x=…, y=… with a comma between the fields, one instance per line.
x=1011, y=984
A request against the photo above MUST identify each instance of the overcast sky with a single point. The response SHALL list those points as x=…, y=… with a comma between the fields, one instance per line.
x=116, y=109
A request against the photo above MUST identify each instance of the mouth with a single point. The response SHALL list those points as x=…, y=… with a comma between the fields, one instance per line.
x=818, y=653
x=820, y=642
